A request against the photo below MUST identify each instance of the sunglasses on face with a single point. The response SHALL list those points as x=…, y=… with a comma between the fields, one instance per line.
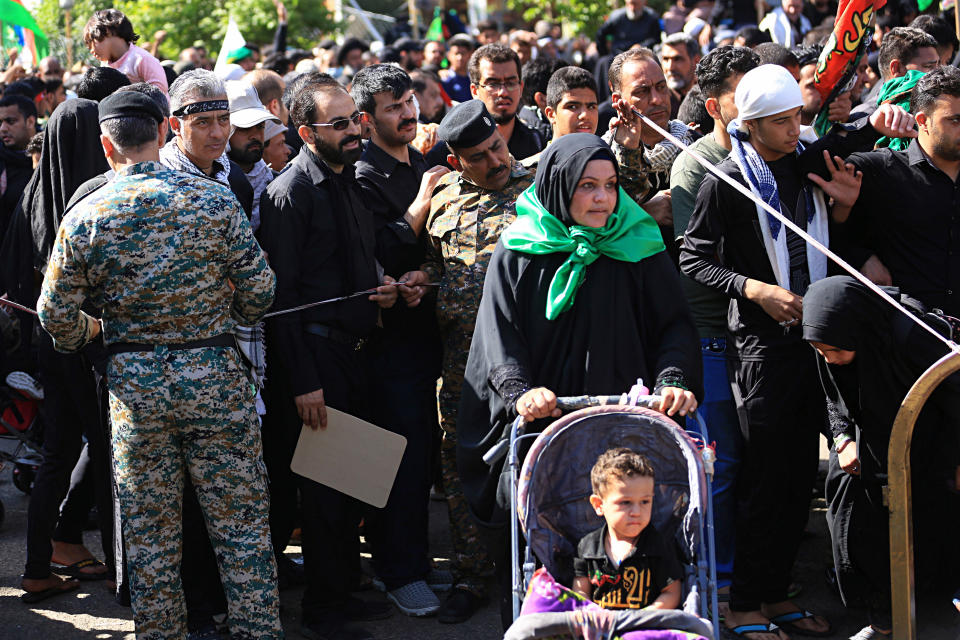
x=340, y=123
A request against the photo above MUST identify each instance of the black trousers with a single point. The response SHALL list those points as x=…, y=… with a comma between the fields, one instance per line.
x=80, y=499
x=782, y=410
x=329, y=519
x=403, y=374
x=70, y=411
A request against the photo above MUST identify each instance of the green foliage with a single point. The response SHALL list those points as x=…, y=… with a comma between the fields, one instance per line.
x=187, y=21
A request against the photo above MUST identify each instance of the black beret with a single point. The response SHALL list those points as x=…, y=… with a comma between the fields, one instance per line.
x=129, y=103
x=466, y=125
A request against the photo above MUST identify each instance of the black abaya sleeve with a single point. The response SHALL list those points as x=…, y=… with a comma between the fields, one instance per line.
x=841, y=420
x=674, y=334
x=498, y=364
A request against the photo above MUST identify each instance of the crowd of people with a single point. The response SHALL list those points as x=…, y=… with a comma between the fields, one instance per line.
x=518, y=231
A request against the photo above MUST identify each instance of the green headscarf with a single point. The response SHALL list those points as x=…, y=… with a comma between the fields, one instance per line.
x=897, y=91
x=630, y=235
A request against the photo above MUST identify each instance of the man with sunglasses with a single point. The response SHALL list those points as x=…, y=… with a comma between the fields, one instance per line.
x=320, y=236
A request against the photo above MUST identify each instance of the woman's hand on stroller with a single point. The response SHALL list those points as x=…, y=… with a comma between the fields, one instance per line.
x=675, y=400
x=538, y=403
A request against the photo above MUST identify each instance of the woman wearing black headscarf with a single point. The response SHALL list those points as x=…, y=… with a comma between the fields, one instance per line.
x=871, y=354
x=579, y=298
x=71, y=155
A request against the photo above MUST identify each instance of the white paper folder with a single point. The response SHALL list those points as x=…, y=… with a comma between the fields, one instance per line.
x=352, y=456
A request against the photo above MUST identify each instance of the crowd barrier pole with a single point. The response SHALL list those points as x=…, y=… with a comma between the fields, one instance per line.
x=899, y=498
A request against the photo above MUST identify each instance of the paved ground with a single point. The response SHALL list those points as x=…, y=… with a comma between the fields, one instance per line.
x=92, y=613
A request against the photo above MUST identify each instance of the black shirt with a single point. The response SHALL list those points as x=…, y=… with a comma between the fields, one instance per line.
x=320, y=239
x=723, y=245
x=619, y=32
x=641, y=576
x=908, y=214
x=389, y=188
x=19, y=168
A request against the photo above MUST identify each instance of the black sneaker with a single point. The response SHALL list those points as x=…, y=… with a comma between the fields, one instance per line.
x=459, y=607
x=333, y=630
x=357, y=610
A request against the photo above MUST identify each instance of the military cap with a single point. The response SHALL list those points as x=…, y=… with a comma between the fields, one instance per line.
x=129, y=103
x=466, y=125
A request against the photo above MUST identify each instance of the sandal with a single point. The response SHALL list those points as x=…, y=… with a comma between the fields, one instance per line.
x=64, y=586
x=744, y=629
x=788, y=622
x=76, y=570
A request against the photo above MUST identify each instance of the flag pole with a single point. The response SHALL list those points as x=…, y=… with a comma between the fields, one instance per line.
x=956, y=17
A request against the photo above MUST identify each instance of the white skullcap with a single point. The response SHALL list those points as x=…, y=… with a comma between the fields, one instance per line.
x=764, y=91
x=693, y=26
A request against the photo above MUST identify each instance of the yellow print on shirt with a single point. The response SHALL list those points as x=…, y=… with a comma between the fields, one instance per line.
x=633, y=591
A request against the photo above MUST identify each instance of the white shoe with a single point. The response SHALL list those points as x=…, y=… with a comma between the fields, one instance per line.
x=24, y=382
x=869, y=633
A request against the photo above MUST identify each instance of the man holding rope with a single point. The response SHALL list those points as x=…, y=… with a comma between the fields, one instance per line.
x=733, y=246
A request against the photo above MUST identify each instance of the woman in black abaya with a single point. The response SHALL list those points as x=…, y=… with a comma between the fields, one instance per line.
x=579, y=298
x=871, y=354
x=71, y=155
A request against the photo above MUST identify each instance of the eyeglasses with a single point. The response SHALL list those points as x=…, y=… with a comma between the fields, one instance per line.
x=340, y=123
x=509, y=85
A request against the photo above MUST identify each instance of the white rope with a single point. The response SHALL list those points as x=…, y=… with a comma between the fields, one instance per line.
x=793, y=227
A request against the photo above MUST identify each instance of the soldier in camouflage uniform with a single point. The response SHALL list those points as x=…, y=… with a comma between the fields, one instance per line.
x=469, y=210
x=171, y=260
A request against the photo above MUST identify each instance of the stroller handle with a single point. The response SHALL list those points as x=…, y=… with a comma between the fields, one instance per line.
x=572, y=403
x=566, y=404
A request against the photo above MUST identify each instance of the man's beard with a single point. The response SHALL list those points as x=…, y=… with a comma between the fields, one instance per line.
x=677, y=83
x=943, y=148
x=249, y=155
x=336, y=154
x=503, y=118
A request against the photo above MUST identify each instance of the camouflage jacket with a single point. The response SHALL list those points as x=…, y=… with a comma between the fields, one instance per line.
x=157, y=250
x=646, y=170
x=464, y=225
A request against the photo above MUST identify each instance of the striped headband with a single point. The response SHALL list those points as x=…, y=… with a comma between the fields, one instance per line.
x=201, y=107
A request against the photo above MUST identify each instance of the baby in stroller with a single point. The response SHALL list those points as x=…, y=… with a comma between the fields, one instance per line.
x=626, y=563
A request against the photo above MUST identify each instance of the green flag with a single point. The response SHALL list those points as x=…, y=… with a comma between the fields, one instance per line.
x=435, y=32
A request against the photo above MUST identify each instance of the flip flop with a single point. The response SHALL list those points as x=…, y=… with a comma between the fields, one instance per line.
x=32, y=597
x=788, y=620
x=744, y=629
x=76, y=570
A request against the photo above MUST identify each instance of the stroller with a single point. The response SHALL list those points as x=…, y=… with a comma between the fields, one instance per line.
x=19, y=422
x=548, y=496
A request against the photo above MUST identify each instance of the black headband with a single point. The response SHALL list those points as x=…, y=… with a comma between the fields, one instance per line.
x=201, y=107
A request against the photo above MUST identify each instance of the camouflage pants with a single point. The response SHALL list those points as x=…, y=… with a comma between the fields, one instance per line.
x=470, y=559
x=191, y=412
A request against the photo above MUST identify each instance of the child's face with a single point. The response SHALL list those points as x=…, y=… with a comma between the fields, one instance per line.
x=109, y=49
x=626, y=505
